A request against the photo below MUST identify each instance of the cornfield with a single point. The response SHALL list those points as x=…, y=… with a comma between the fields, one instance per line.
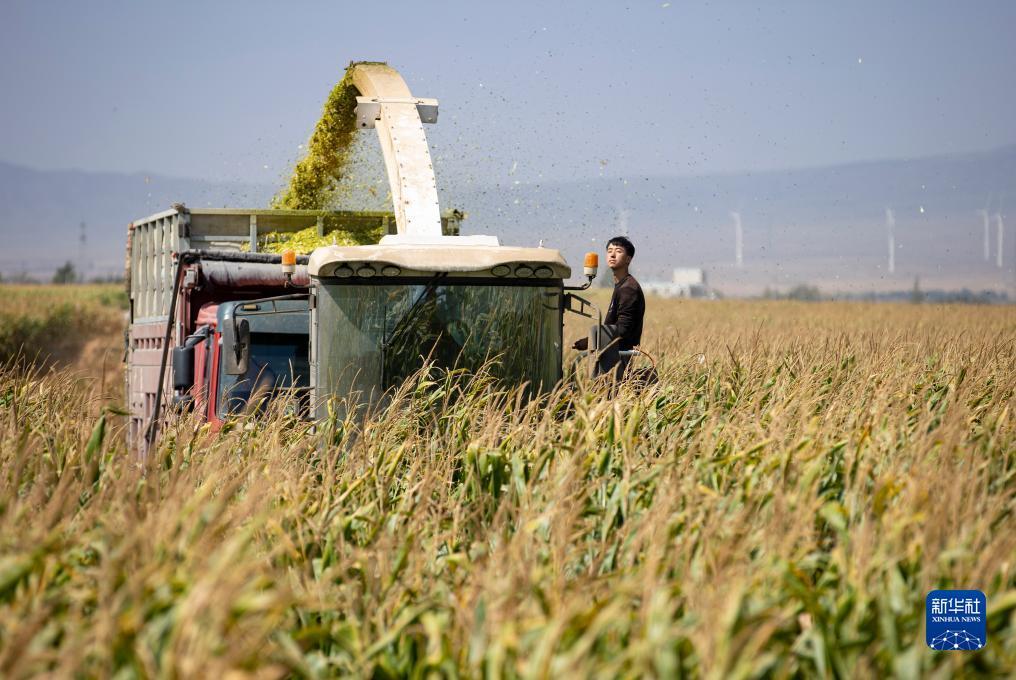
x=778, y=505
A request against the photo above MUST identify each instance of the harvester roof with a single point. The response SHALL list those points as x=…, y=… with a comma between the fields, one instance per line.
x=452, y=255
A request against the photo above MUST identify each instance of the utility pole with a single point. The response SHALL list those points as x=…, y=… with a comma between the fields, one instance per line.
x=82, y=243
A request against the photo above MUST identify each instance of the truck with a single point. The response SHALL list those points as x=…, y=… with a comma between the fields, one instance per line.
x=189, y=273
x=373, y=313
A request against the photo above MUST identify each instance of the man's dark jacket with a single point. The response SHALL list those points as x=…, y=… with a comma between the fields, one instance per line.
x=626, y=311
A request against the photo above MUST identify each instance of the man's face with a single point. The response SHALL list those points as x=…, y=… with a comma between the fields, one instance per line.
x=617, y=257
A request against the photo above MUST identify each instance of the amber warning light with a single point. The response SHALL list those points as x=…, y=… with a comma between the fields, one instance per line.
x=288, y=264
x=590, y=265
x=289, y=261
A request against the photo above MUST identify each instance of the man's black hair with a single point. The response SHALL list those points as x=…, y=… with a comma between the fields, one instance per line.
x=624, y=243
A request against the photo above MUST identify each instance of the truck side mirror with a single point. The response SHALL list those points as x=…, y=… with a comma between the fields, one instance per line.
x=183, y=367
x=236, y=346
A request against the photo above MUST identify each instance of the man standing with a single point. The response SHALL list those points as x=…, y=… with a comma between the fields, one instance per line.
x=627, y=305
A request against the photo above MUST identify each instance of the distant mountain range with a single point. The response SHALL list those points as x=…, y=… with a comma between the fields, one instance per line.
x=823, y=226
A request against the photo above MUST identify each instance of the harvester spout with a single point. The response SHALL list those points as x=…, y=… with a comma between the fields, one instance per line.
x=386, y=105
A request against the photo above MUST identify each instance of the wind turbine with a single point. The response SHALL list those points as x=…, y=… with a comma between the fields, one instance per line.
x=738, y=239
x=1000, y=226
x=890, y=224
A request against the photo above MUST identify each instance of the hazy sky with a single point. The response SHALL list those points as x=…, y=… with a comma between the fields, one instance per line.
x=228, y=90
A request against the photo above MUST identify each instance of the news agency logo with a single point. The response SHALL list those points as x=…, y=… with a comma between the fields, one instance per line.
x=956, y=620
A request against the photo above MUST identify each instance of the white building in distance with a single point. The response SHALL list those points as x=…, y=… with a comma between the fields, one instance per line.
x=687, y=282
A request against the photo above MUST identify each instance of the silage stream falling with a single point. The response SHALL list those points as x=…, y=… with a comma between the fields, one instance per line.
x=320, y=181
x=316, y=178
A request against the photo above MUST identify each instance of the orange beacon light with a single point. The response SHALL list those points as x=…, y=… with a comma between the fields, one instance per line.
x=288, y=265
x=591, y=264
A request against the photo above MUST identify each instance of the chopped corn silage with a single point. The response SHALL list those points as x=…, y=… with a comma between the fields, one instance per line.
x=317, y=177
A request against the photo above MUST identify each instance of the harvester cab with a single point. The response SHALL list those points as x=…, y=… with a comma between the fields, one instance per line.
x=380, y=312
